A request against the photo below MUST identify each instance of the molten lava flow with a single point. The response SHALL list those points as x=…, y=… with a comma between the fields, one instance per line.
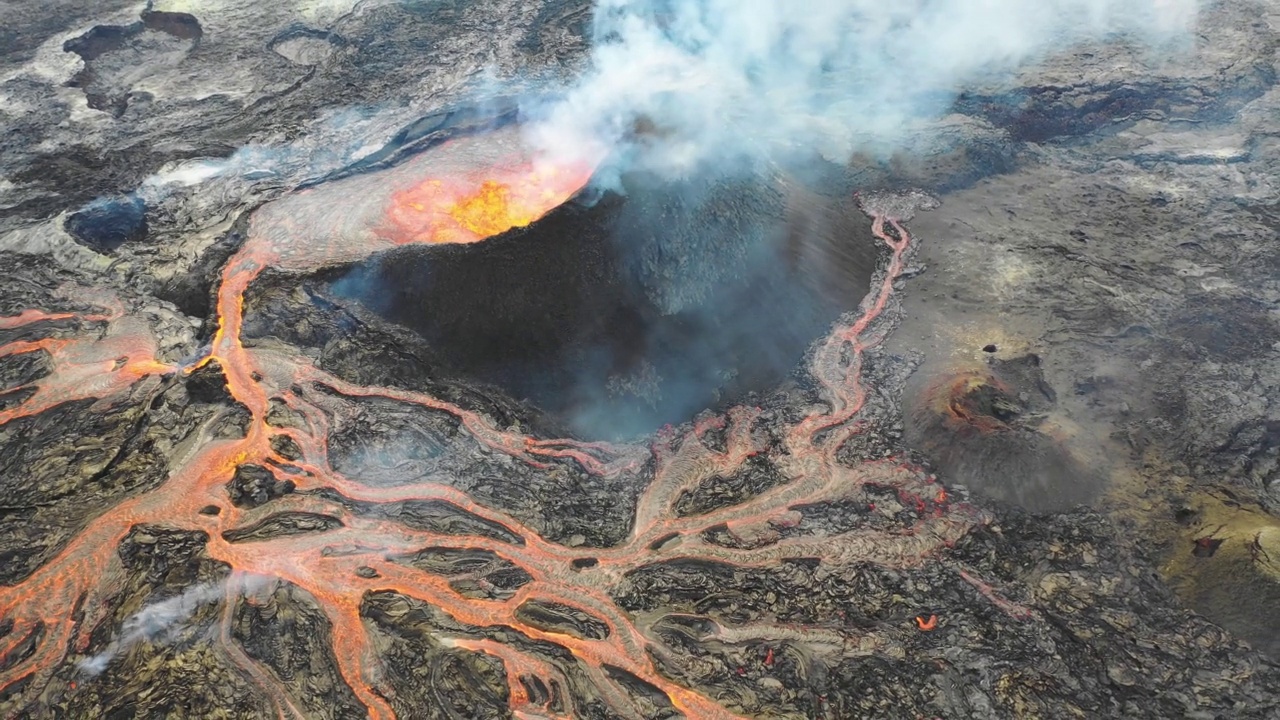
x=66, y=599
x=86, y=366
x=27, y=317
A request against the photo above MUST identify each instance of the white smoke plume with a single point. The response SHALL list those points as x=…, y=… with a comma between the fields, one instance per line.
x=164, y=621
x=755, y=78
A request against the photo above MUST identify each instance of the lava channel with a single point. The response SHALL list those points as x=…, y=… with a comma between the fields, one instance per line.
x=463, y=191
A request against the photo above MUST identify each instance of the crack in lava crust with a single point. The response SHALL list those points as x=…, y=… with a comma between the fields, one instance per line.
x=67, y=598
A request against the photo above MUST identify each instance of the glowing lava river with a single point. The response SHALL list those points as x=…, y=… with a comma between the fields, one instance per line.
x=566, y=645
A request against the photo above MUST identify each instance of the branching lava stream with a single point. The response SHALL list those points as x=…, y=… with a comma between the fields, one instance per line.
x=62, y=603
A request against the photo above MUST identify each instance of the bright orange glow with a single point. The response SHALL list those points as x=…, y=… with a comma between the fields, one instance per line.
x=472, y=209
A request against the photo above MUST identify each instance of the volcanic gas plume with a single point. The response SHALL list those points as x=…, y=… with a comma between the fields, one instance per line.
x=341, y=554
x=720, y=80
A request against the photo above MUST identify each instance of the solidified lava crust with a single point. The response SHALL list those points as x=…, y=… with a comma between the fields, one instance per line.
x=283, y=516
x=330, y=548
x=343, y=504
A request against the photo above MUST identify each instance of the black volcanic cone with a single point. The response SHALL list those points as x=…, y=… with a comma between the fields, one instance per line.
x=991, y=430
x=639, y=309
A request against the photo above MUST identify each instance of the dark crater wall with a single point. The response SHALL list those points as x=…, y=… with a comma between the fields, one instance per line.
x=636, y=310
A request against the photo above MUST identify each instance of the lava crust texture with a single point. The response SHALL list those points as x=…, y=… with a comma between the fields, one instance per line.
x=259, y=457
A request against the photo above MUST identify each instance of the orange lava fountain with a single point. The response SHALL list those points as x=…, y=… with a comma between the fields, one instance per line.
x=66, y=599
x=449, y=211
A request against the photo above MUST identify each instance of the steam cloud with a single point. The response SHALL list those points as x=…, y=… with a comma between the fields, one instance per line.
x=164, y=621
x=749, y=79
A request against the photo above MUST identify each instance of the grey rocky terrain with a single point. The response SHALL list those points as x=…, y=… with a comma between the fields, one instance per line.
x=614, y=464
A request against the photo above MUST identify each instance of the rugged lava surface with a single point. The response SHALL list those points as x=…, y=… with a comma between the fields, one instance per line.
x=271, y=508
x=236, y=485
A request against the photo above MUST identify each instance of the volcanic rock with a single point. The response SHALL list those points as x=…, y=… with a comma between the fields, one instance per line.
x=1010, y=452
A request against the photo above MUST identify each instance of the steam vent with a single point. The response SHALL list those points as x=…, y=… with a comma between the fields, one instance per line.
x=639, y=359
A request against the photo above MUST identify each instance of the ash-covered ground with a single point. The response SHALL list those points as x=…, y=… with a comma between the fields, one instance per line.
x=720, y=448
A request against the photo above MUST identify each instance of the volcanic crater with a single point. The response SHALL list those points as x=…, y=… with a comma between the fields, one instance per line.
x=387, y=415
x=594, y=316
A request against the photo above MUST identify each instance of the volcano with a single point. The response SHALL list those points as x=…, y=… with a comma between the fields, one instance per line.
x=638, y=310
x=426, y=531
x=329, y=388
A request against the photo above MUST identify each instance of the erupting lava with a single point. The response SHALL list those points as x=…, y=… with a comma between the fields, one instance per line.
x=59, y=606
x=441, y=211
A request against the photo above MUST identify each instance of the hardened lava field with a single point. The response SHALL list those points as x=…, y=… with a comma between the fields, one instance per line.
x=885, y=362
x=274, y=539
x=273, y=511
